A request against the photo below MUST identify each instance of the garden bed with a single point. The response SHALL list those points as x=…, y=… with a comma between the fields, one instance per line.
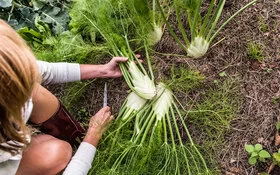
x=238, y=79
x=256, y=83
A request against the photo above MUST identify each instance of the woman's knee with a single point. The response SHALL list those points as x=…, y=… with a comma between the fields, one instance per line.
x=58, y=154
x=45, y=154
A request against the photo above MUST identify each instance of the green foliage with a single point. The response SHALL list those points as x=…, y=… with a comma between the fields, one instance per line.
x=42, y=34
x=262, y=24
x=277, y=126
x=201, y=28
x=183, y=79
x=71, y=48
x=264, y=173
x=113, y=22
x=20, y=14
x=153, y=146
x=82, y=113
x=5, y=3
x=213, y=112
x=101, y=21
x=63, y=47
x=255, y=51
x=257, y=153
x=223, y=74
x=210, y=117
x=276, y=158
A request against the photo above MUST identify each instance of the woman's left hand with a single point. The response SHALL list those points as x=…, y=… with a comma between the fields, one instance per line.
x=112, y=68
x=109, y=70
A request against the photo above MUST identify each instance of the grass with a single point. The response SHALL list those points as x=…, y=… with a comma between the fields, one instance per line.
x=183, y=79
x=263, y=25
x=255, y=51
x=208, y=117
x=211, y=116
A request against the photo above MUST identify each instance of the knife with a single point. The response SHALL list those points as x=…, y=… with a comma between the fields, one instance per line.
x=105, y=97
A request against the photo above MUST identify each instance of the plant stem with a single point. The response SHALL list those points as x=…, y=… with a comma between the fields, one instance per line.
x=169, y=27
x=236, y=13
x=216, y=17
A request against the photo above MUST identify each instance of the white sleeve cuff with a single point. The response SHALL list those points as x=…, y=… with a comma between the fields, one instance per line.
x=81, y=161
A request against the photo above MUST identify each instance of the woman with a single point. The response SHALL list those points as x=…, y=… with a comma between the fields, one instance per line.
x=22, y=99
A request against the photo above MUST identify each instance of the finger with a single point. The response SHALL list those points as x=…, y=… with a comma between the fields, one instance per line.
x=105, y=109
x=107, y=114
x=138, y=55
x=120, y=59
x=136, y=62
x=112, y=117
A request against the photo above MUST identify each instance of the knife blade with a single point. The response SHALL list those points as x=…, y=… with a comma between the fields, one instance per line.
x=105, y=97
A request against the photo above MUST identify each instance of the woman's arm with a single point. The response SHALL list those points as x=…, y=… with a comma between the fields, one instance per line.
x=109, y=70
x=68, y=72
x=58, y=72
x=81, y=161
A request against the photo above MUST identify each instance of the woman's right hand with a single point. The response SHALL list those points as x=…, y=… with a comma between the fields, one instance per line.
x=97, y=125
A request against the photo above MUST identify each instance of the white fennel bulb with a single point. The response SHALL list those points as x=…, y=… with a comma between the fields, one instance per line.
x=198, y=47
x=164, y=101
x=143, y=85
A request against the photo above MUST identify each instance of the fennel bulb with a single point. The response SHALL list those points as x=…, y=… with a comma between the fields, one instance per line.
x=142, y=84
x=155, y=35
x=164, y=101
x=133, y=104
x=198, y=47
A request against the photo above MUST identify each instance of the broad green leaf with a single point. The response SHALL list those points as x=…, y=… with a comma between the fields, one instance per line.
x=38, y=4
x=223, y=74
x=57, y=17
x=276, y=159
x=264, y=154
x=30, y=35
x=26, y=19
x=252, y=160
x=262, y=159
x=276, y=156
x=249, y=148
x=258, y=147
x=42, y=27
x=254, y=154
x=5, y=3
x=278, y=126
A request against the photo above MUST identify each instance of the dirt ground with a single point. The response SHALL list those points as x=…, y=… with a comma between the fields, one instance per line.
x=259, y=109
x=260, y=81
x=258, y=112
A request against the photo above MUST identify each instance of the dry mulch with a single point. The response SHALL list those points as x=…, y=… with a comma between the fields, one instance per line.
x=259, y=112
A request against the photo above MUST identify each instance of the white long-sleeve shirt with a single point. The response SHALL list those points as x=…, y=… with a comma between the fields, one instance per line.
x=54, y=73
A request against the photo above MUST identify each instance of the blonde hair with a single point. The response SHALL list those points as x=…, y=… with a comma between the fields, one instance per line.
x=18, y=74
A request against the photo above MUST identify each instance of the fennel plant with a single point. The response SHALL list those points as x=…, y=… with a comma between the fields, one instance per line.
x=155, y=144
x=111, y=20
x=145, y=138
x=201, y=29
